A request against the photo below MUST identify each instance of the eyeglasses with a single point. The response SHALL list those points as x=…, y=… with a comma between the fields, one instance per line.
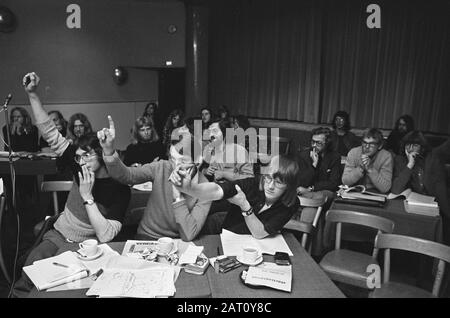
x=269, y=179
x=86, y=157
x=369, y=144
x=318, y=143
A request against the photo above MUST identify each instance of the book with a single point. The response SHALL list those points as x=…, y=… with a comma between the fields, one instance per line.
x=417, y=203
x=360, y=192
x=199, y=267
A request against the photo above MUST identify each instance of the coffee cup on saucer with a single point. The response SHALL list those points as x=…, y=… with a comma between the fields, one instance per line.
x=89, y=247
x=165, y=245
x=250, y=255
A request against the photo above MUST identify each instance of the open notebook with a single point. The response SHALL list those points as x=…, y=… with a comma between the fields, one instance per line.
x=360, y=192
x=418, y=203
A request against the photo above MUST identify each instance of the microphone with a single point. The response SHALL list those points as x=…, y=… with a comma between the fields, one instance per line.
x=7, y=100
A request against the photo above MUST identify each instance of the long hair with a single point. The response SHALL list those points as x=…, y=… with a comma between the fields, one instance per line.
x=27, y=125
x=289, y=173
x=344, y=115
x=61, y=119
x=84, y=120
x=415, y=137
x=169, y=124
x=142, y=122
x=242, y=121
x=409, y=121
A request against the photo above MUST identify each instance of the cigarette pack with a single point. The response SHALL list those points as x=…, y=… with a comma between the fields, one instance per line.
x=199, y=267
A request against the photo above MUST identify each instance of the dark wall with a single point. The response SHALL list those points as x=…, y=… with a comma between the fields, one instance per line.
x=77, y=64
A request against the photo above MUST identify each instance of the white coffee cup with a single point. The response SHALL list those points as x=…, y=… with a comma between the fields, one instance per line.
x=89, y=247
x=165, y=245
x=250, y=254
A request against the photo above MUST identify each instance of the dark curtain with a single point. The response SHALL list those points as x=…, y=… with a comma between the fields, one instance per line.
x=304, y=60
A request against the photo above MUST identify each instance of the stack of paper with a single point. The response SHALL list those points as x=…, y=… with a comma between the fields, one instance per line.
x=128, y=277
x=233, y=243
x=55, y=271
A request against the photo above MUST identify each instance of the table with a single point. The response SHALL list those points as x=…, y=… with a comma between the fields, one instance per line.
x=308, y=279
x=29, y=167
x=410, y=224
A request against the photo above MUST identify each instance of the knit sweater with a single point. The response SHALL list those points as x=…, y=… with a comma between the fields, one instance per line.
x=379, y=175
x=111, y=197
x=161, y=217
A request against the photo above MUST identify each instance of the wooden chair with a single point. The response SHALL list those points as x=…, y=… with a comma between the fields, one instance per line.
x=412, y=244
x=307, y=228
x=346, y=266
x=55, y=187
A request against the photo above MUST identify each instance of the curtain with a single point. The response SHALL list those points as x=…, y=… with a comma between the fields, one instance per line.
x=304, y=60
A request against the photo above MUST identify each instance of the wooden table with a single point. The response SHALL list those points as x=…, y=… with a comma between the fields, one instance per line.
x=308, y=279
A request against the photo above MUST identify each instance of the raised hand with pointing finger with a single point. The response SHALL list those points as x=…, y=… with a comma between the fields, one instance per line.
x=106, y=136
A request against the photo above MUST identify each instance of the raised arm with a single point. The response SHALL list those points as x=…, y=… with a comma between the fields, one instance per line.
x=47, y=128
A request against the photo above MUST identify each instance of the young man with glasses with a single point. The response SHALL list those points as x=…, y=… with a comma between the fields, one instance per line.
x=96, y=204
x=369, y=165
x=320, y=166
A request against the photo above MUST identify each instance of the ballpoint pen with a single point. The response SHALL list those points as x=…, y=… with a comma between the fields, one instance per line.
x=60, y=265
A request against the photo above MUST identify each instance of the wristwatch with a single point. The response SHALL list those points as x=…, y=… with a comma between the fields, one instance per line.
x=89, y=202
x=248, y=212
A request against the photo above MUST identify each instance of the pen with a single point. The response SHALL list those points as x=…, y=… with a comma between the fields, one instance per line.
x=97, y=275
x=60, y=265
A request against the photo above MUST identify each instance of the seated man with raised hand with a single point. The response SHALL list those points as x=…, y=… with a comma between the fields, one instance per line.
x=369, y=165
x=96, y=204
x=168, y=212
x=261, y=205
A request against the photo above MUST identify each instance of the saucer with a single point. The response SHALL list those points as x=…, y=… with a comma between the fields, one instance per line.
x=256, y=262
x=174, y=249
x=89, y=258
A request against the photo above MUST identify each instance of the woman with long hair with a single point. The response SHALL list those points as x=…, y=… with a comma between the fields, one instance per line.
x=403, y=125
x=24, y=135
x=146, y=146
x=175, y=120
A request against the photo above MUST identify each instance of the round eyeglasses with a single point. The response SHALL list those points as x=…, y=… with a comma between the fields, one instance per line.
x=269, y=179
x=85, y=156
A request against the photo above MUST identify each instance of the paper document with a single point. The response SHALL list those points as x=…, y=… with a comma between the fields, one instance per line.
x=157, y=281
x=232, y=244
x=55, y=271
x=270, y=275
x=190, y=254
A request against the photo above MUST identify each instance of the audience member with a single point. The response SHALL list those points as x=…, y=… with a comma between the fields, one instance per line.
x=260, y=206
x=60, y=123
x=79, y=125
x=151, y=111
x=96, y=204
x=320, y=165
x=403, y=125
x=24, y=135
x=175, y=120
x=168, y=212
x=342, y=139
x=227, y=160
x=369, y=165
x=146, y=146
x=422, y=170
x=240, y=121
x=223, y=113
x=206, y=118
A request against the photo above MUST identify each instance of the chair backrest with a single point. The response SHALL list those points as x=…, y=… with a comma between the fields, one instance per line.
x=379, y=223
x=307, y=228
x=54, y=187
x=283, y=144
x=413, y=244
